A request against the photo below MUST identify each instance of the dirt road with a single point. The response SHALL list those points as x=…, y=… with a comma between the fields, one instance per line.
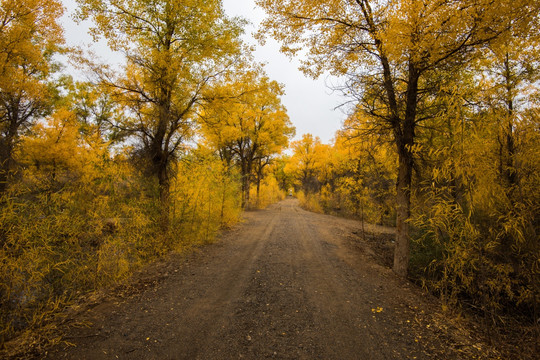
x=286, y=284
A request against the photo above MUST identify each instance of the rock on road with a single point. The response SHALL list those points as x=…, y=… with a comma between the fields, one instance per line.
x=284, y=285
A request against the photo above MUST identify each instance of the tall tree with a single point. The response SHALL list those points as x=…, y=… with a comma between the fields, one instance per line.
x=29, y=36
x=388, y=51
x=248, y=124
x=174, y=50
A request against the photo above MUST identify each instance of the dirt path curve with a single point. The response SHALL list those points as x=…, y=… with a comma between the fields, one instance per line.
x=285, y=285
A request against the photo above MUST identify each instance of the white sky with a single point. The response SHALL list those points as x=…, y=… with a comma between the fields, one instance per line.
x=310, y=103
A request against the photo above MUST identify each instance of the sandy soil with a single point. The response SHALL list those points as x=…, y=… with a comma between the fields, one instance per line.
x=286, y=284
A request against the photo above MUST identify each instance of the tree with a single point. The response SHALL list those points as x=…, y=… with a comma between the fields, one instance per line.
x=365, y=171
x=29, y=36
x=248, y=124
x=509, y=71
x=389, y=51
x=60, y=151
x=261, y=163
x=95, y=110
x=175, y=49
x=284, y=178
x=307, y=161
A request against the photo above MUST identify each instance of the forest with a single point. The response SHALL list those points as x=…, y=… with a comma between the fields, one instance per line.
x=101, y=176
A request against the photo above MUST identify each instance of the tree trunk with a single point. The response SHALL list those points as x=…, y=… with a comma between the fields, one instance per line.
x=246, y=165
x=404, y=137
x=403, y=128
x=510, y=170
x=245, y=183
x=160, y=157
x=164, y=197
x=7, y=163
x=258, y=189
x=5, y=170
x=403, y=212
x=223, y=198
x=245, y=190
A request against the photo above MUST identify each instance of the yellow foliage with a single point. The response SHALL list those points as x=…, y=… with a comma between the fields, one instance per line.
x=477, y=237
x=57, y=244
x=307, y=163
x=352, y=177
x=29, y=33
x=79, y=216
x=57, y=148
x=269, y=193
x=29, y=37
x=247, y=124
x=205, y=197
x=309, y=202
x=93, y=223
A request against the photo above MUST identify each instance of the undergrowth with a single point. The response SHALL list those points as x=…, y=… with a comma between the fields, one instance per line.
x=63, y=238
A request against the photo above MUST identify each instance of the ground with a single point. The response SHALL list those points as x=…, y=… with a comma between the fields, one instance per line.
x=285, y=284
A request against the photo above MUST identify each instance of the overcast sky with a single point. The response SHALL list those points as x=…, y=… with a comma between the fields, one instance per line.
x=310, y=103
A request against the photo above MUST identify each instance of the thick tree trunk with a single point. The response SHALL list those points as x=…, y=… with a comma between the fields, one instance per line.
x=160, y=157
x=404, y=137
x=403, y=213
x=403, y=128
x=160, y=162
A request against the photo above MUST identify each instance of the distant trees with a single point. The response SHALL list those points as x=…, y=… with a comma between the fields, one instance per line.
x=247, y=125
x=307, y=162
x=351, y=177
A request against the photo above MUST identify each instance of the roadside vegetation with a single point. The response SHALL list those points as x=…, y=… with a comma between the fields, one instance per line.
x=98, y=178
x=442, y=141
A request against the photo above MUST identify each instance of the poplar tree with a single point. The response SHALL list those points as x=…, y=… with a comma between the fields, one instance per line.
x=174, y=49
x=247, y=124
